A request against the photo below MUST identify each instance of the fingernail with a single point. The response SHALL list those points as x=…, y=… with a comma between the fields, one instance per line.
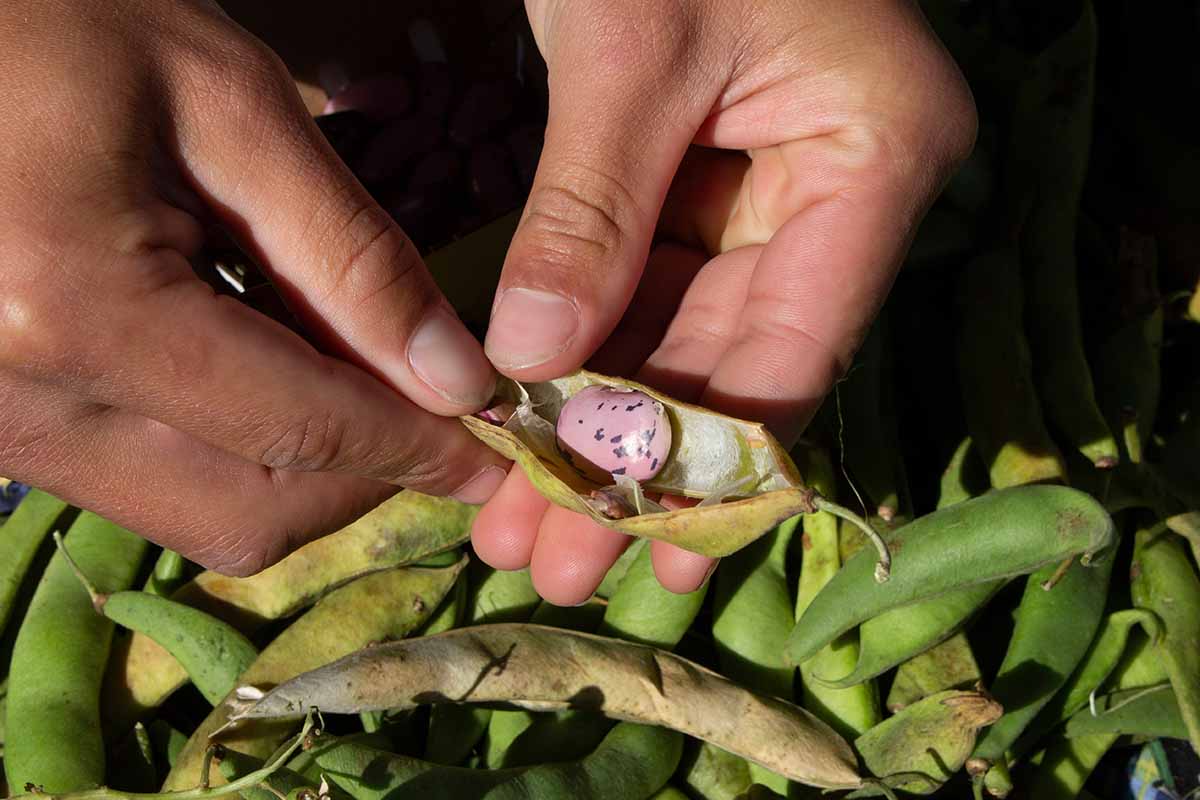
x=445, y=355
x=530, y=327
x=479, y=489
x=710, y=572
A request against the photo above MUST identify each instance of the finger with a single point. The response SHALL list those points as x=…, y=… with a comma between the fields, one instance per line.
x=703, y=326
x=670, y=270
x=617, y=130
x=224, y=513
x=163, y=345
x=505, y=530
x=349, y=272
x=818, y=283
x=678, y=570
x=572, y=555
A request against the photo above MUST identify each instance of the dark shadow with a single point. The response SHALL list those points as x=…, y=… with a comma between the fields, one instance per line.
x=1028, y=683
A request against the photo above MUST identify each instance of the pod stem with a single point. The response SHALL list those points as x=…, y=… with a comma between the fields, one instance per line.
x=98, y=598
x=883, y=568
x=200, y=793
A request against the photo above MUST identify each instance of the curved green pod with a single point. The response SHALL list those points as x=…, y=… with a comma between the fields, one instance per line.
x=1004, y=414
x=1067, y=764
x=1164, y=581
x=1097, y=665
x=52, y=731
x=211, y=651
x=949, y=665
x=631, y=763
x=24, y=533
x=1051, y=135
x=1152, y=711
x=713, y=457
x=895, y=636
x=1055, y=627
x=377, y=607
x=642, y=611
x=711, y=773
x=920, y=748
x=546, y=669
x=752, y=617
x=853, y=710
x=1000, y=535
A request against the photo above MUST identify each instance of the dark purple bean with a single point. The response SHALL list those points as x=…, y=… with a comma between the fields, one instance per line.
x=384, y=96
x=493, y=180
x=525, y=143
x=484, y=107
x=424, y=205
x=395, y=146
x=347, y=132
x=435, y=89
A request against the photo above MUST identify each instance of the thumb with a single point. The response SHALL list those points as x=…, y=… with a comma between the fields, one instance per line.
x=348, y=271
x=620, y=120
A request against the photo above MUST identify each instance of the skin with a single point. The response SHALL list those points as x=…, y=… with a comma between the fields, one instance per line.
x=742, y=275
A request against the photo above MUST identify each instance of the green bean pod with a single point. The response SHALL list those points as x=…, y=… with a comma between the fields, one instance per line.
x=1164, y=581
x=496, y=596
x=902, y=633
x=24, y=533
x=211, y=651
x=752, y=617
x=407, y=528
x=927, y=742
x=1000, y=535
x=1067, y=764
x=949, y=665
x=168, y=574
x=1055, y=627
x=668, y=793
x=1153, y=712
x=712, y=773
x=964, y=477
x=1098, y=664
x=631, y=763
x=52, y=733
x=1003, y=412
x=642, y=611
x=1049, y=155
x=855, y=709
x=377, y=607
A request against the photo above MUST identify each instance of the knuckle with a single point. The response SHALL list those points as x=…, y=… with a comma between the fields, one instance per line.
x=316, y=443
x=375, y=256
x=582, y=217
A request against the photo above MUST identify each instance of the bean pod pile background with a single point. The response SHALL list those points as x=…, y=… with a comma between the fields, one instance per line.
x=1022, y=424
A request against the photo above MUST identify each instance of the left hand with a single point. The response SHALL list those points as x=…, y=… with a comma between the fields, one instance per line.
x=727, y=190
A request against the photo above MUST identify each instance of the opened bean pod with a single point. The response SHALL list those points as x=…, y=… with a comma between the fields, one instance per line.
x=558, y=442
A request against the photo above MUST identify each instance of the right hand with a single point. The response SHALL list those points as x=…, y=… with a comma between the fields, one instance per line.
x=126, y=385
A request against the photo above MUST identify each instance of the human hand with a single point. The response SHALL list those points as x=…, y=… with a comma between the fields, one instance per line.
x=751, y=174
x=126, y=385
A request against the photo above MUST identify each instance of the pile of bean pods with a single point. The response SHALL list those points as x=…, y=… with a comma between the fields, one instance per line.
x=1021, y=428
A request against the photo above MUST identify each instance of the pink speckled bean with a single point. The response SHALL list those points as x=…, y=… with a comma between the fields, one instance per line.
x=605, y=431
